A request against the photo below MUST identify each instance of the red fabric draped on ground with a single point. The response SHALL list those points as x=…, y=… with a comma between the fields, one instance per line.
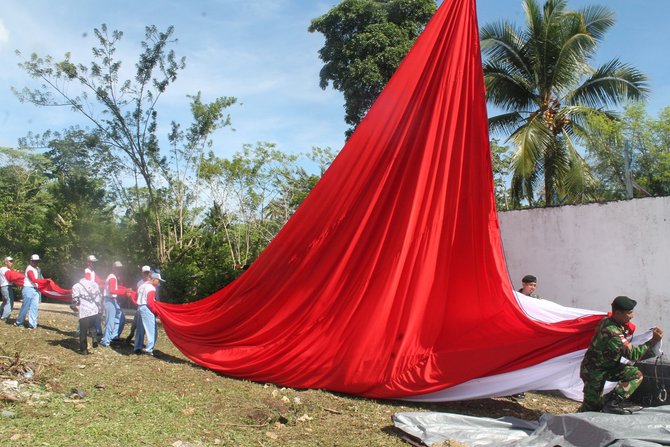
x=390, y=280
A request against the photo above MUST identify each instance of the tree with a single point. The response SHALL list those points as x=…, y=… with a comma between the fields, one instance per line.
x=502, y=162
x=541, y=78
x=76, y=216
x=249, y=193
x=124, y=116
x=180, y=172
x=630, y=157
x=365, y=42
x=23, y=201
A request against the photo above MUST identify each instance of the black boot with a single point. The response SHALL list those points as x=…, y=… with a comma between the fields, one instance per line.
x=615, y=404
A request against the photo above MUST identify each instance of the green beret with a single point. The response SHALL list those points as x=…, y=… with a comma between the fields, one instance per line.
x=529, y=278
x=623, y=303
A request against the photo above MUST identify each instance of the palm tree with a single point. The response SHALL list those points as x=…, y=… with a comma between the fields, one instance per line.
x=540, y=77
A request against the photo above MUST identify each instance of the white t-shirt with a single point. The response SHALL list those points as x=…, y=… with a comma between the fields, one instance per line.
x=3, y=278
x=36, y=274
x=143, y=293
x=86, y=294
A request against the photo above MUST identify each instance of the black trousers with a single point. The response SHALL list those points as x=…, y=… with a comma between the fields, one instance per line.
x=86, y=325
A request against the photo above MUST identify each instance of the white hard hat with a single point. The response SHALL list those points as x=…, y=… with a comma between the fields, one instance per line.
x=35, y=258
x=92, y=258
x=117, y=264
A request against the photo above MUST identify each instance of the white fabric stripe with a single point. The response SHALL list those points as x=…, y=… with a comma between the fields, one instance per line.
x=559, y=373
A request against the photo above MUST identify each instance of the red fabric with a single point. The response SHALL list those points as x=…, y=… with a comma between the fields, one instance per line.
x=100, y=282
x=50, y=289
x=117, y=289
x=112, y=286
x=629, y=328
x=32, y=277
x=89, y=273
x=46, y=287
x=390, y=279
x=15, y=277
x=133, y=296
x=122, y=290
x=151, y=298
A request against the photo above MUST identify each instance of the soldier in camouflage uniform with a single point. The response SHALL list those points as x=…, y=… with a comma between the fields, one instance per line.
x=602, y=361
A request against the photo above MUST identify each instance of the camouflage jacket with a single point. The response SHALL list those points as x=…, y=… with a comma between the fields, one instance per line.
x=609, y=344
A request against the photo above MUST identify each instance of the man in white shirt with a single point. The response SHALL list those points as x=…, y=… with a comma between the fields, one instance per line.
x=6, y=290
x=31, y=295
x=146, y=276
x=147, y=324
x=115, y=320
x=89, y=271
x=87, y=298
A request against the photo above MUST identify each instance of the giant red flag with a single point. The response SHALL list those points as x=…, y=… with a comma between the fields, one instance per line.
x=390, y=280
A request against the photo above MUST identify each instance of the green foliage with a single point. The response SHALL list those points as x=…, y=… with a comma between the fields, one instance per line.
x=23, y=202
x=501, y=159
x=56, y=206
x=122, y=111
x=113, y=191
x=630, y=156
x=163, y=203
x=541, y=77
x=255, y=192
x=365, y=42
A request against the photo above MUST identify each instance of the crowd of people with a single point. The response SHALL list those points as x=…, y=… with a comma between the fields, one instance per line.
x=101, y=317
x=94, y=301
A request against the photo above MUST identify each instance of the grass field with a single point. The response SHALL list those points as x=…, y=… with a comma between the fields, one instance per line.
x=52, y=396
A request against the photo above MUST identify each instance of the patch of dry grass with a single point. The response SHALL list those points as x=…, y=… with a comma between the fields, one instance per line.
x=115, y=398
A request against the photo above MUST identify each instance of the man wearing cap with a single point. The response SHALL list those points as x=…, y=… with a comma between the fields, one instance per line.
x=146, y=276
x=89, y=274
x=528, y=286
x=86, y=299
x=30, y=294
x=6, y=290
x=114, y=317
x=89, y=271
x=602, y=361
x=147, y=324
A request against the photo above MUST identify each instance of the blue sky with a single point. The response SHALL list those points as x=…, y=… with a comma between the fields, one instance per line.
x=260, y=52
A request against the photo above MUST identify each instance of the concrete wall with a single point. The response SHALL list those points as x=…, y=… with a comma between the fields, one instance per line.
x=584, y=256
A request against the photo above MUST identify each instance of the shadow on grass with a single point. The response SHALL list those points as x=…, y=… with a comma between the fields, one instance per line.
x=65, y=311
x=58, y=331
x=169, y=358
x=71, y=343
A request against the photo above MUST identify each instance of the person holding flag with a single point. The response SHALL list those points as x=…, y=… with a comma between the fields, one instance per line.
x=86, y=302
x=115, y=320
x=6, y=290
x=146, y=295
x=31, y=294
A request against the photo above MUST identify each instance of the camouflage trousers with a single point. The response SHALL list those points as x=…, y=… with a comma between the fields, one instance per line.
x=628, y=378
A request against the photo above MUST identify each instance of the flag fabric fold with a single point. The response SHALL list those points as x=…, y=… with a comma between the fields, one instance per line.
x=390, y=279
x=47, y=286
